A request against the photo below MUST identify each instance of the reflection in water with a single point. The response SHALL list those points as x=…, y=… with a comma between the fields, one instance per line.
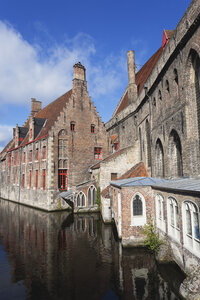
x=64, y=256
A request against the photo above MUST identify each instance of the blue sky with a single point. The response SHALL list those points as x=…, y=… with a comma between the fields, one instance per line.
x=40, y=40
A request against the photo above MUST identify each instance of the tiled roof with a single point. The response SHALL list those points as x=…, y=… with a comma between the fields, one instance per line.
x=113, y=137
x=139, y=170
x=49, y=113
x=141, y=77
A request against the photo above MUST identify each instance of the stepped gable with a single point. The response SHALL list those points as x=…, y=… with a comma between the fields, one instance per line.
x=141, y=77
x=138, y=170
x=51, y=112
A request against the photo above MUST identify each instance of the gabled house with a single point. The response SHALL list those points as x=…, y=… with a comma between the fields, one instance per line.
x=52, y=151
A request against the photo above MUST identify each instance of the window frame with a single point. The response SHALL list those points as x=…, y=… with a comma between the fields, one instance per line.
x=138, y=220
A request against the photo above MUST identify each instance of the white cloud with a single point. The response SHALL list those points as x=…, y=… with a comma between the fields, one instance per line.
x=6, y=133
x=28, y=70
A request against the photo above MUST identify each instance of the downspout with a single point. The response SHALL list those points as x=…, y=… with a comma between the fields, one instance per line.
x=119, y=216
x=20, y=171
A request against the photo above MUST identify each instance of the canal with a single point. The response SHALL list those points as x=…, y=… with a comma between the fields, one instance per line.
x=64, y=256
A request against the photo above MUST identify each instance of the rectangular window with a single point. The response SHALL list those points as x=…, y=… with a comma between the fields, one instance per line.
x=37, y=154
x=9, y=159
x=44, y=179
x=36, y=179
x=98, y=153
x=113, y=176
x=62, y=179
x=30, y=156
x=92, y=129
x=116, y=146
x=15, y=159
x=30, y=175
x=24, y=157
x=72, y=126
x=44, y=153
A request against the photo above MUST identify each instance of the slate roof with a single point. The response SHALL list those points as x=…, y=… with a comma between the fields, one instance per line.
x=175, y=184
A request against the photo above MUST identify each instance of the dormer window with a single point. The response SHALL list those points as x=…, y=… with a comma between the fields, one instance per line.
x=72, y=126
x=92, y=128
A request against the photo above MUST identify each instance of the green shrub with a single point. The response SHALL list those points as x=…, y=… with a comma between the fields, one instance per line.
x=98, y=197
x=152, y=240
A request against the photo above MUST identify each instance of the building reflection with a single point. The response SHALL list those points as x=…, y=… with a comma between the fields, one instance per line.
x=65, y=256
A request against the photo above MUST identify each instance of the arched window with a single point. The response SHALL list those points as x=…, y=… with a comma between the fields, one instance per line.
x=159, y=159
x=80, y=200
x=160, y=220
x=91, y=196
x=173, y=218
x=176, y=83
x=138, y=210
x=62, y=144
x=191, y=233
x=148, y=137
x=175, y=155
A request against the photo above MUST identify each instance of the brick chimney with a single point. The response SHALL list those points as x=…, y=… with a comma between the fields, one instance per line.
x=79, y=80
x=31, y=129
x=16, y=135
x=79, y=71
x=132, y=87
x=36, y=106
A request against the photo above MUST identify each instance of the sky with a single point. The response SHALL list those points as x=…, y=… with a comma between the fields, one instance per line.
x=41, y=40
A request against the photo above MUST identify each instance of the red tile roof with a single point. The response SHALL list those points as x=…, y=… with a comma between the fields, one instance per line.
x=113, y=137
x=50, y=113
x=141, y=77
x=139, y=170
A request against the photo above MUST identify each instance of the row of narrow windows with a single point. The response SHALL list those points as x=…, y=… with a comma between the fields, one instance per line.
x=168, y=90
x=14, y=159
x=189, y=218
x=81, y=198
x=31, y=181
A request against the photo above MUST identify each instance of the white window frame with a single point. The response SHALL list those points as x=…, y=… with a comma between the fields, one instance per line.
x=138, y=220
x=82, y=194
x=190, y=241
x=160, y=219
x=91, y=188
x=173, y=229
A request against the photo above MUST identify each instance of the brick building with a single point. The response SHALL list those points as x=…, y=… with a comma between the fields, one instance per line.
x=52, y=151
x=159, y=113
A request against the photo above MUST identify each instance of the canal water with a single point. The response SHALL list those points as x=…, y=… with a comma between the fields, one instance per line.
x=64, y=256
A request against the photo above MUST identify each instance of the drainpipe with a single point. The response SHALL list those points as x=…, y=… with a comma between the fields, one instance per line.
x=119, y=216
x=20, y=171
